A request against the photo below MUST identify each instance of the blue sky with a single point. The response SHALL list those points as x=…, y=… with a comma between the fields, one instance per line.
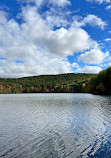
x=52, y=37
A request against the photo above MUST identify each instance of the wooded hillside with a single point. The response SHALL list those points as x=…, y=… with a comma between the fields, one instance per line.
x=46, y=83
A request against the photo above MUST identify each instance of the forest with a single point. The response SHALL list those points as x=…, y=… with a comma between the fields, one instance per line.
x=63, y=83
x=101, y=83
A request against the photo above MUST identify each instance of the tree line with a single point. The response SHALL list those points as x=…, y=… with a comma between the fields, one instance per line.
x=64, y=83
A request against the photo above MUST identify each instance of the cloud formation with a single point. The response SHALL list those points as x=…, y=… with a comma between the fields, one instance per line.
x=94, y=56
x=108, y=7
x=38, y=3
x=42, y=42
x=99, y=1
x=86, y=69
x=90, y=69
x=91, y=20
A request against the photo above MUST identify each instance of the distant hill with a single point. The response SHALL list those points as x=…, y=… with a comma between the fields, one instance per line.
x=46, y=83
x=63, y=83
x=101, y=83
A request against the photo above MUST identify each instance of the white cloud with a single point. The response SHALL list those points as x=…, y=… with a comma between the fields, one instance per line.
x=109, y=64
x=60, y=3
x=90, y=69
x=38, y=3
x=94, y=56
x=61, y=41
x=67, y=42
x=3, y=16
x=75, y=65
x=99, y=1
x=56, y=18
x=107, y=39
x=27, y=43
x=92, y=20
x=86, y=69
x=108, y=7
x=37, y=46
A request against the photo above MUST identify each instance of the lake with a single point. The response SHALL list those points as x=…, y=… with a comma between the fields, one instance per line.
x=55, y=126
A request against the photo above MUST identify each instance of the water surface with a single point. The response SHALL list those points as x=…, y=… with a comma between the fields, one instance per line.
x=55, y=126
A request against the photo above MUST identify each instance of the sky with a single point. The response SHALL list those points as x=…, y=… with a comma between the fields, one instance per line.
x=39, y=37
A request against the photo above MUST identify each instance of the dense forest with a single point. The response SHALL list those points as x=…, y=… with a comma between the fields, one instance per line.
x=101, y=83
x=64, y=83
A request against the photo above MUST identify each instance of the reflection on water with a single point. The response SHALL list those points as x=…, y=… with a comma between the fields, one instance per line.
x=55, y=126
x=90, y=126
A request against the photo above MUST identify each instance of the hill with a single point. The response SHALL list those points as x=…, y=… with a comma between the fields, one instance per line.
x=46, y=83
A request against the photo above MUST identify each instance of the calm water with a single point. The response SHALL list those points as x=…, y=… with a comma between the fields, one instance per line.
x=55, y=126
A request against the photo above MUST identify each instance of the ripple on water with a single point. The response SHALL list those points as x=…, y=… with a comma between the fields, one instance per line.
x=49, y=145
x=55, y=126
